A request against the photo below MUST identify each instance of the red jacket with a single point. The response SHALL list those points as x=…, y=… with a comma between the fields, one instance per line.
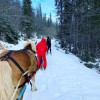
x=41, y=47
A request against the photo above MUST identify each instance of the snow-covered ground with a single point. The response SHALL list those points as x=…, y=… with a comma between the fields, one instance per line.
x=64, y=79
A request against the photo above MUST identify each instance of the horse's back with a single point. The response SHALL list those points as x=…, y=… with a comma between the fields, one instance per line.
x=21, y=57
x=25, y=59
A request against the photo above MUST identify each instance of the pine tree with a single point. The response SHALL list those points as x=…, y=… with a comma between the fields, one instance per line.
x=39, y=18
x=59, y=7
x=79, y=23
x=27, y=18
x=7, y=33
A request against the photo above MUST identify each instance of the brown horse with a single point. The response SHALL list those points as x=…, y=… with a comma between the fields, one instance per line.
x=11, y=76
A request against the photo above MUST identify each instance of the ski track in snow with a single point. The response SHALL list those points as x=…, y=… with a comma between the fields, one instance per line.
x=65, y=79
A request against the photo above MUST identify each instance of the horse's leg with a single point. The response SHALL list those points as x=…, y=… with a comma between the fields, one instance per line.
x=33, y=84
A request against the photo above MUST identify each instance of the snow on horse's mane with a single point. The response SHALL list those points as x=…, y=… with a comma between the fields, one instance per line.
x=32, y=44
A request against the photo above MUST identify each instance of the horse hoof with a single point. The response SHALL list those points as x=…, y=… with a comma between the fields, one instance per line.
x=36, y=89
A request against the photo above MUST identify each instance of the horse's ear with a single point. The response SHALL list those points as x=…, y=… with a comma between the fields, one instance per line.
x=30, y=45
x=27, y=45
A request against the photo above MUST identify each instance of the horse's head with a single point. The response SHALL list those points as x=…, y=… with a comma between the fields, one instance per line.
x=30, y=45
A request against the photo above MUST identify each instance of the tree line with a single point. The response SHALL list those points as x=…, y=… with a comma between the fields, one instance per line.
x=79, y=27
x=22, y=20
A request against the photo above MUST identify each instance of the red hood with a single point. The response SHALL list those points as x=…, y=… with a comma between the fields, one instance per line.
x=43, y=40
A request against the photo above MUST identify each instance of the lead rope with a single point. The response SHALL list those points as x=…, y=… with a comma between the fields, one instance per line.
x=22, y=92
x=12, y=98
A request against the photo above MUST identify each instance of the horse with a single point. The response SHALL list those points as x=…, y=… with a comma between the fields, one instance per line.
x=15, y=69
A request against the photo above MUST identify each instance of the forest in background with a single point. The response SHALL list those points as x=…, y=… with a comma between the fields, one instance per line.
x=79, y=28
x=22, y=20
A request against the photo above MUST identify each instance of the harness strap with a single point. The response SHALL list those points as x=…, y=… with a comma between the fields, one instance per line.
x=8, y=55
x=22, y=85
x=30, y=77
x=25, y=49
x=29, y=52
x=15, y=62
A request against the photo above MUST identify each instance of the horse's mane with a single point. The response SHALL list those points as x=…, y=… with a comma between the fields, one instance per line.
x=30, y=45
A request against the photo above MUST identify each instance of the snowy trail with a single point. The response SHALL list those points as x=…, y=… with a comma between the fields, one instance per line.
x=65, y=79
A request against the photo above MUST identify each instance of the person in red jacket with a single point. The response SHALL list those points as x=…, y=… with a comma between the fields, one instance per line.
x=41, y=49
